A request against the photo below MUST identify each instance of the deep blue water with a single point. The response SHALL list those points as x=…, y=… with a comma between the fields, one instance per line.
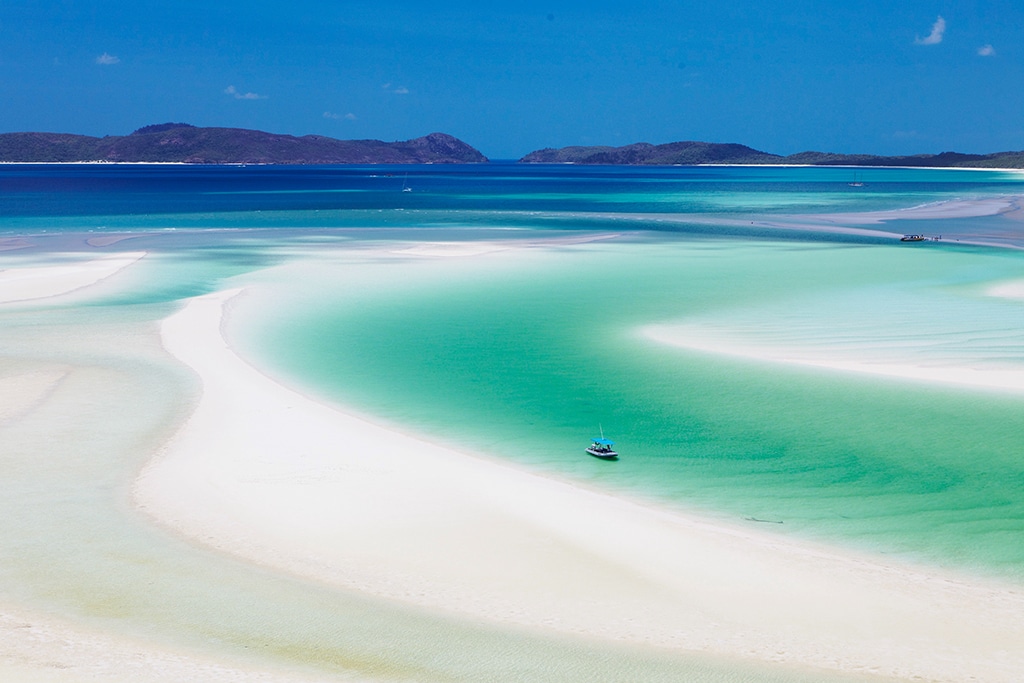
x=159, y=192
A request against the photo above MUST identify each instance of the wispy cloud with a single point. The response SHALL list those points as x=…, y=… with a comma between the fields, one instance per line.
x=935, y=37
x=107, y=59
x=986, y=51
x=331, y=115
x=238, y=95
x=400, y=90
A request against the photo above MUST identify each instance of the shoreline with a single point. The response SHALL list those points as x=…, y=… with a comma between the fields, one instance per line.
x=104, y=162
x=258, y=472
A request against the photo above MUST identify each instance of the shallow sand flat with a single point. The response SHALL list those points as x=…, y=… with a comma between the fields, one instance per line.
x=1008, y=290
x=18, y=393
x=957, y=208
x=42, y=649
x=41, y=281
x=266, y=473
x=700, y=338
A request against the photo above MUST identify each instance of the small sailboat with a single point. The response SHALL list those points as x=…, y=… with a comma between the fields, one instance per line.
x=856, y=183
x=602, y=448
x=405, y=184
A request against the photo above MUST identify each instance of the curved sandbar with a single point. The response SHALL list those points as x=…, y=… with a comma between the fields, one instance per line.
x=268, y=474
x=700, y=338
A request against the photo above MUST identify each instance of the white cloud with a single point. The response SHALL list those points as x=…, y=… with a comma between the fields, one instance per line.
x=234, y=92
x=401, y=91
x=107, y=59
x=986, y=51
x=935, y=37
x=905, y=135
x=331, y=115
x=350, y=116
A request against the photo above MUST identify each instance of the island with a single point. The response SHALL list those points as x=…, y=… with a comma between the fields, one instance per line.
x=184, y=143
x=692, y=153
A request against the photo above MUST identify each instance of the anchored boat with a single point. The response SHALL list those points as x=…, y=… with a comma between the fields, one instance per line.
x=602, y=448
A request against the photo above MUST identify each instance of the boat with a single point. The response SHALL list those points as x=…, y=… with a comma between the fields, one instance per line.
x=856, y=183
x=602, y=448
x=405, y=184
x=913, y=238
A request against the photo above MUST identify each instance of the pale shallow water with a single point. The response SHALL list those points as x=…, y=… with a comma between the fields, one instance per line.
x=522, y=356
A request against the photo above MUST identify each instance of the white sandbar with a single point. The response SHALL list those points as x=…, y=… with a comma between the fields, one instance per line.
x=270, y=475
x=39, y=282
x=696, y=338
x=1008, y=290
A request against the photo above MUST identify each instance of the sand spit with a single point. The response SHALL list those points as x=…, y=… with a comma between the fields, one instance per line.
x=956, y=208
x=697, y=338
x=270, y=475
x=40, y=282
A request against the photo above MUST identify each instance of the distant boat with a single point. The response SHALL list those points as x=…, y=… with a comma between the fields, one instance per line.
x=602, y=448
x=405, y=184
x=855, y=183
x=913, y=238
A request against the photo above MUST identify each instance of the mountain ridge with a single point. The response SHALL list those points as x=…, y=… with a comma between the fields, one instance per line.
x=692, y=153
x=185, y=143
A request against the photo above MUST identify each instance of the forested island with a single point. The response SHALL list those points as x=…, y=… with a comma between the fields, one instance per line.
x=694, y=153
x=184, y=143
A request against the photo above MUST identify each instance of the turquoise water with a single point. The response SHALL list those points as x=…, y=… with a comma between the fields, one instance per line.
x=525, y=357
x=522, y=355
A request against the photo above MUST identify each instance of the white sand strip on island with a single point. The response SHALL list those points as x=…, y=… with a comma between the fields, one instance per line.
x=268, y=474
x=39, y=282
x=697, y=338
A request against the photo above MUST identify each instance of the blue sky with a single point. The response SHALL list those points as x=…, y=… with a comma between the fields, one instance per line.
x=510, y=77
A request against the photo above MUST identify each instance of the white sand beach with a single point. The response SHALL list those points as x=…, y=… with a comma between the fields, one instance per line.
x=270, y=475
x=36, y=645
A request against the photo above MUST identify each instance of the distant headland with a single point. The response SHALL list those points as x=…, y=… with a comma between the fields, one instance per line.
x=695, y=153
x=184, y=143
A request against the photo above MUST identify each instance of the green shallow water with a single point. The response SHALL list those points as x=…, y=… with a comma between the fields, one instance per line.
x=525, y=355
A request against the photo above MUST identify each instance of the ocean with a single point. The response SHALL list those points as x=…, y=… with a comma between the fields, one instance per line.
x=778, y=408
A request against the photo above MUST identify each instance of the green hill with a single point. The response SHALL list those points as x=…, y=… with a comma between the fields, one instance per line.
x=180, y=142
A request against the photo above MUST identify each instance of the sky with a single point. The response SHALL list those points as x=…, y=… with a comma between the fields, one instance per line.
x=893, y=77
